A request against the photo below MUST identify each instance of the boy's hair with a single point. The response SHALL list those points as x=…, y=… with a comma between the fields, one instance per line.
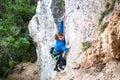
x=58, y=34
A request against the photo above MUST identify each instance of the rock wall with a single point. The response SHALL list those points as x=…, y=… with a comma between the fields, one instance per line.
x=42, y=28
x=107, y=46
x=81, y=24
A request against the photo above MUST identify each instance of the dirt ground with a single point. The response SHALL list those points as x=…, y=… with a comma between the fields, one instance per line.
x=25, y=71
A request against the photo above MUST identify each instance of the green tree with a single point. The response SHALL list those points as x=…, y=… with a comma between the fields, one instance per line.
x=15, y=43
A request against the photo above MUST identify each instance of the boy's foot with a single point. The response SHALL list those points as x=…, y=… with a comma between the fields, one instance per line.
x=56, y=69
x=61, y=67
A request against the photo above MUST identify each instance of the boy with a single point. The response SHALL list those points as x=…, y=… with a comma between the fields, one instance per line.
x=60, y=47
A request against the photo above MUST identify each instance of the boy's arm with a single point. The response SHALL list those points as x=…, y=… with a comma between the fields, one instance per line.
x=64, y=48
x=61, y=26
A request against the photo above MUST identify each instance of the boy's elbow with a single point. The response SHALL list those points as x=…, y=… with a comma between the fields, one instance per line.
x=65, y=49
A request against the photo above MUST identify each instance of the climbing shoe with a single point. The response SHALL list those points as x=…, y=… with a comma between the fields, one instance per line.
x=56, y=69
x=61, y=67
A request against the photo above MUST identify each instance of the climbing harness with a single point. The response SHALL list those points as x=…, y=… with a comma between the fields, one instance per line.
x=55, y=53
x=56, y=57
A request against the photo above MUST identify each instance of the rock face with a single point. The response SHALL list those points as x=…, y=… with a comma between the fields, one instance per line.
x=107, y=47
x=42, y=28
x=81, y=24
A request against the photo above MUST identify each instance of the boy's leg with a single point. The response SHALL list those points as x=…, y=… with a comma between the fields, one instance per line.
x=62, y=63
x=61, y=66
x=56, y=66
x=65, y=54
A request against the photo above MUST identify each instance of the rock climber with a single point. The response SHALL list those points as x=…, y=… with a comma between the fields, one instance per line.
x=60, y=47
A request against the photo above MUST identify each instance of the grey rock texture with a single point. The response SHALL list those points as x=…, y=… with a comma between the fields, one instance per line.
x=81, y=24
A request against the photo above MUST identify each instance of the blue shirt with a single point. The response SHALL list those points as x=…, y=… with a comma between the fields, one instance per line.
x=60, y=44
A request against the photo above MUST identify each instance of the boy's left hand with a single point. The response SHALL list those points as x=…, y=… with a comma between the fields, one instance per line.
x=68, y=46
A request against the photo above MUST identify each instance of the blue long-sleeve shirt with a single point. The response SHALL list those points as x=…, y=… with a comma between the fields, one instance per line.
x=60, y=44
x=61, y=26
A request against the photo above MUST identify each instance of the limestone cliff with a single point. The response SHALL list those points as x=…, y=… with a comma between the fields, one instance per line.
x=81, y=24
x=107, y=47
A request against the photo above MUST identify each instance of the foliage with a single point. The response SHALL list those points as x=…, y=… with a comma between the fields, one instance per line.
x=107, y=11
x=59, y=4
x=107, y=4
x=85, y=45
x=15, y=43
x=103, y=26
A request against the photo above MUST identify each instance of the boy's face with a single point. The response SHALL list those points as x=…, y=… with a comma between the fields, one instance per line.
x=61, y=37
